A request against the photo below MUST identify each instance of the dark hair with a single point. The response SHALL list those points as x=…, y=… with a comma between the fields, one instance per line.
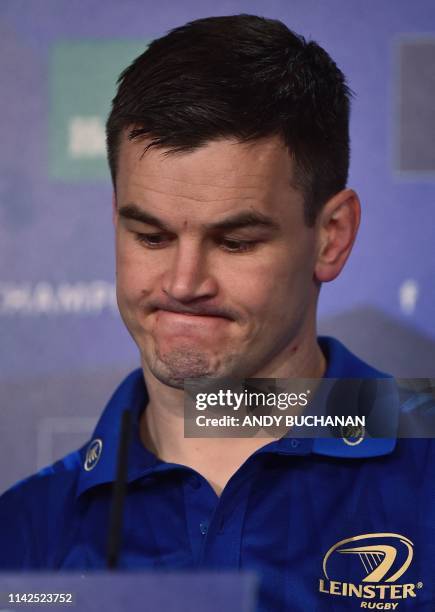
x=245, y=77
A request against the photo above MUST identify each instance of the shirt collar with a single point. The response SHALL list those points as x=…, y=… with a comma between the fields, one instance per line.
x=344, y=364
x=99, y=457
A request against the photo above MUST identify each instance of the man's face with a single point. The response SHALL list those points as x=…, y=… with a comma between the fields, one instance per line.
x=215, y=265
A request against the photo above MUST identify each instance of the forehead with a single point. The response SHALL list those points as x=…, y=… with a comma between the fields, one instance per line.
x=217, y=170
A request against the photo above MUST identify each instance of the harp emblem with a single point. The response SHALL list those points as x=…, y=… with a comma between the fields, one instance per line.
x=93, y=454
x=380, y=561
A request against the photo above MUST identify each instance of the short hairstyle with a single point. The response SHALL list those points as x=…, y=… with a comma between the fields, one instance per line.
x=245, y=77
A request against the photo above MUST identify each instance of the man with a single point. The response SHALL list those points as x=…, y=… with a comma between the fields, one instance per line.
x=228, y=147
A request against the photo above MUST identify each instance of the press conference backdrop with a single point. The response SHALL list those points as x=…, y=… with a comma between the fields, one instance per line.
x=63, y=346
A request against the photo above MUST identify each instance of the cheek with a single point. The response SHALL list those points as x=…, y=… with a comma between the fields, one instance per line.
x=279, y=273
x=253, y=288
x=134, y=277
x=276, y=288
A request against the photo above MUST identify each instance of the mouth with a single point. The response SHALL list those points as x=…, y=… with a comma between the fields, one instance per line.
x=189, y=320
x=196, y=315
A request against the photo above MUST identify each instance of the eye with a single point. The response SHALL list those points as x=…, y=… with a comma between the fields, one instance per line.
x=152, y=241
x=238, y=246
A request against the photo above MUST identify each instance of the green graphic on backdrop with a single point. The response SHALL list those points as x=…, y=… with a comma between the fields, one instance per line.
x=83, y=79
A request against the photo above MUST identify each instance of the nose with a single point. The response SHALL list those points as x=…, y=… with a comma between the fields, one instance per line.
x=188, y=277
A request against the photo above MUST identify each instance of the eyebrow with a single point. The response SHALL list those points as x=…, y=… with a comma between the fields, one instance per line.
x=239, y=220
x=134, y=213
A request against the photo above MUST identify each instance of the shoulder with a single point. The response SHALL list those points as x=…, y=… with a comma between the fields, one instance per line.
x=65, y=468
x=43, y=510
x=342, y=363
x=32, y=510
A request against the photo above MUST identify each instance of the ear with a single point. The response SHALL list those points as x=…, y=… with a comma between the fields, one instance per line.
x=337, y=226
x=114, y=210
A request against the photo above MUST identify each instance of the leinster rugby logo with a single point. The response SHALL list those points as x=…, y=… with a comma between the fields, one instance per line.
x=368, y=568
x=93, y=454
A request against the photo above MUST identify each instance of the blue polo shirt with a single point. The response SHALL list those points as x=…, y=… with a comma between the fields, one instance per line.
x=325, y=525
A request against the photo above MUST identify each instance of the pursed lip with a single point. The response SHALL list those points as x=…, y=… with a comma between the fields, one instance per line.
x=196, y=315
x=187, y=313
x=189, y=319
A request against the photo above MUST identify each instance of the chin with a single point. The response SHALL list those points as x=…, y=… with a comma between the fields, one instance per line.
x=173, y=367
x=169, y=381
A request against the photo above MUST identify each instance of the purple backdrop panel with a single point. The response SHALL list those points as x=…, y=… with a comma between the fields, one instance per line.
x=63, y=344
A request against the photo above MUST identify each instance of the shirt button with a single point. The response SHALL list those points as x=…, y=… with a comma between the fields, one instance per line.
x=294, y=443
x=203, y=528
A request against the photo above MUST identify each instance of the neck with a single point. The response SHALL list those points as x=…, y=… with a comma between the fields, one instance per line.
x=162, y=423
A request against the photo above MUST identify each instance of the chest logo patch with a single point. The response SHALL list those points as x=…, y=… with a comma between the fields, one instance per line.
x=93, y=454
x=367, y=568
